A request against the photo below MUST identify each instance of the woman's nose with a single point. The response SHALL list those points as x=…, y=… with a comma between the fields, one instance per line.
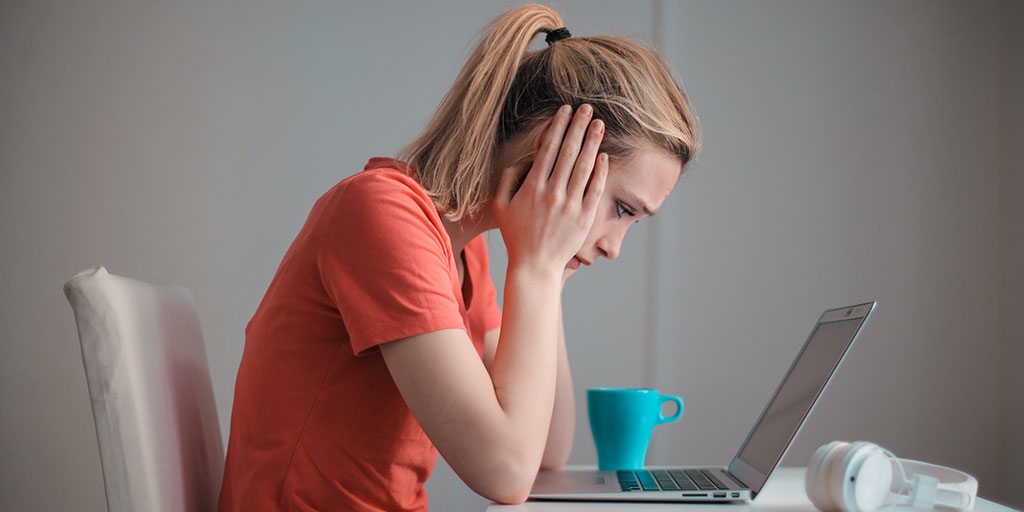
x=609, y=246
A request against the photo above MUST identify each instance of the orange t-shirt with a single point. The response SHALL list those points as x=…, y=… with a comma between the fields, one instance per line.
x=317, y=421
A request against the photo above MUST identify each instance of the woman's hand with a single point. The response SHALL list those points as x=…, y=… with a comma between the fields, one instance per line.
x=545, y=222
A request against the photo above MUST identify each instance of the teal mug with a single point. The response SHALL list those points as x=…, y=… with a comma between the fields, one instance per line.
x=622, y=421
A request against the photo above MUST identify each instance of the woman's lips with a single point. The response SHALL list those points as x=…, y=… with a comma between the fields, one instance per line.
x=575, y=262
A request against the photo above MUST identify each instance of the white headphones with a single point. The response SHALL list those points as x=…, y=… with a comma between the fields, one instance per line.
x=859, y=477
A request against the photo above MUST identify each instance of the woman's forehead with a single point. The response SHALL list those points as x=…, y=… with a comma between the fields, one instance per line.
x=647, y=176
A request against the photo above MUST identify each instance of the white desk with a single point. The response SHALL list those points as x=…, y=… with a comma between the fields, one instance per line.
x=784, y=491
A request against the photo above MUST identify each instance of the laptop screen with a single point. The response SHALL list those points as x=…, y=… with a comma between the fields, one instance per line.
x=794, y=398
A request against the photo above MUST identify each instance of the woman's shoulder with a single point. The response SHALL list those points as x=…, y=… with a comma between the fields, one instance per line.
x=382, y=174
x=382, y=182
x=383, y=193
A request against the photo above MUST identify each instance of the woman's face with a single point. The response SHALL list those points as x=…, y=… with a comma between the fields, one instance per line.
x=636, y=188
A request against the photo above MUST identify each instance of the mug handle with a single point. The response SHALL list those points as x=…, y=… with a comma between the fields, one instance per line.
x=680, y=405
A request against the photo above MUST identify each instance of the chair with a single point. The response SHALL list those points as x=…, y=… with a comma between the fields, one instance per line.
x=149, y=383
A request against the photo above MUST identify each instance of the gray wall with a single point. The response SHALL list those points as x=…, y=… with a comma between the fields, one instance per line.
x=1013, y=285
x=853, y=151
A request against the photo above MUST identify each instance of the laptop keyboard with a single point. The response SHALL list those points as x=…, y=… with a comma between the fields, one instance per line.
x=669, y=480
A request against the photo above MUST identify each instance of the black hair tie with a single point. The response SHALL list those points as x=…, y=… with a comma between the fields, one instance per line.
x=557, y=35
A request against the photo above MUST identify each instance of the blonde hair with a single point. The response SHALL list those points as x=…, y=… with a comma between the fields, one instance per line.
x=504, y=91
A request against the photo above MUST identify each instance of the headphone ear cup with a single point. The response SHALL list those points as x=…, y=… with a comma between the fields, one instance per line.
x=872, y=481
x=812, y=475
x=834, y=470
x=817, y=480
x=862, y=481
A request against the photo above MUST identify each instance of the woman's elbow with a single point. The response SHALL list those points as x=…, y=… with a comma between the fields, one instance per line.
x=514, y=497
x=509, y=485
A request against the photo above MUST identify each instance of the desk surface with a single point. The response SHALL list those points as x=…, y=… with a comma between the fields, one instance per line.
x=784, y=491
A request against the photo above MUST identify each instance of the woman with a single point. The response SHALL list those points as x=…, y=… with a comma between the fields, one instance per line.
x=379, y=342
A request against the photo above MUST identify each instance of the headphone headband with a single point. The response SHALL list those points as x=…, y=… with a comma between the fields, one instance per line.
x=952, y=486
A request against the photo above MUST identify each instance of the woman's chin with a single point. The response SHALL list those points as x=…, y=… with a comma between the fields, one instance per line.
x=568, y=271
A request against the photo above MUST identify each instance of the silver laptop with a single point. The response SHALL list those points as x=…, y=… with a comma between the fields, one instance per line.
x=760, y=453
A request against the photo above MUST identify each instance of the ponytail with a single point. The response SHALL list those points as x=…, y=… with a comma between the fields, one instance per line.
x=454, y=155
x=504, y=91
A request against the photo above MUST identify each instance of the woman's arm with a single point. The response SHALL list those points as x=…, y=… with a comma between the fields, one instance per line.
x=492, y=428
x=563, y=417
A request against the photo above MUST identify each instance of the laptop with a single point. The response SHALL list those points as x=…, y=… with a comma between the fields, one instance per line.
x=759, y=454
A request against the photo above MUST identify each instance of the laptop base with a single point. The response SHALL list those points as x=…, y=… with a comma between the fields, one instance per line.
x=595, y=485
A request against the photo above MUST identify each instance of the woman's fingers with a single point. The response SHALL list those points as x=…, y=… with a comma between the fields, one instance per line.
x=550, y=144
x=596, y=186
x=548, y=220
x=570, y=147
x=586, y=161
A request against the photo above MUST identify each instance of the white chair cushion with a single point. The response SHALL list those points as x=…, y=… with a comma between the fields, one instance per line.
x=149, y=382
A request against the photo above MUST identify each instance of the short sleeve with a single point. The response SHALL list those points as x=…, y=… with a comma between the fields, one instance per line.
x=385, y=262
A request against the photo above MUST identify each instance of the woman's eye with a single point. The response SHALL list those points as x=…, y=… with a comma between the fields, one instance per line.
x=620, y=209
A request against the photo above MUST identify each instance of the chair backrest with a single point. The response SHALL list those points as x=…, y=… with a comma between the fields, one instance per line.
x=149, y=383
